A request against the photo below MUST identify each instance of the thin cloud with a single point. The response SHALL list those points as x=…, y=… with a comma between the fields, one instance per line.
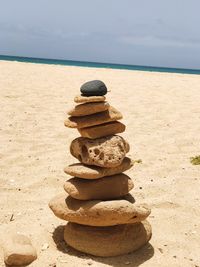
x=157, y=41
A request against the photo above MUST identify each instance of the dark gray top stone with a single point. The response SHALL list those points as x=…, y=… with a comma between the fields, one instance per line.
x=93, y=88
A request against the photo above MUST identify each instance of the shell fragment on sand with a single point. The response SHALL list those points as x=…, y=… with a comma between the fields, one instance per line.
x=102, y=130
x=97, y=212
x=110, y=187
x=88, y=99
x=95, y=172
x=94, y=119
x=88, y=109
x=107, y=241
x=104, y=152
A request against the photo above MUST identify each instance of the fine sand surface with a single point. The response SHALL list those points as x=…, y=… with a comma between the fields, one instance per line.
x=162, y=115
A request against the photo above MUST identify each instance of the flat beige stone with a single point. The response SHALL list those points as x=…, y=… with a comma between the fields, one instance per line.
x=18, y=250
x=107, y=241
x=104, y=152
x=102, y=130
x=111, y=114
x=87, y=99
x=97, y=212
x=95, y=172
x=109, y=187
x=88, y=109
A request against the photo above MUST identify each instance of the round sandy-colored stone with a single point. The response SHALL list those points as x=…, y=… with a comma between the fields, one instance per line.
x=18, y=250
x=87, y=99
x=97, y=212
x=107, y=241
x=111, y=114
x=102, y=130
x=109, y=187
x=95, y=172
x=88, y=109
x=104, y=152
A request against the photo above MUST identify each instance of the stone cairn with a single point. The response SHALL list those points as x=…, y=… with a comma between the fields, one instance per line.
x=103, y=218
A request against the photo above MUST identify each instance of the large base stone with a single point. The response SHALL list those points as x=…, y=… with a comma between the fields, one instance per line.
x=107, y=241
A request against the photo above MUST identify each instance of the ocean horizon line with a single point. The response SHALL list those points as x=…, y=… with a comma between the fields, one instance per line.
x=76, y=63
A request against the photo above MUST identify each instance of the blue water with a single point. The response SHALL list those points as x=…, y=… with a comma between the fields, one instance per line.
x=98, y=65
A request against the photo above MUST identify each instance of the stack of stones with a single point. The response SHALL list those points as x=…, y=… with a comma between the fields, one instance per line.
x=104, y=219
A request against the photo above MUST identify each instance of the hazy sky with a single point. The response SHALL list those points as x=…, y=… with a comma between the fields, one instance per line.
x=142, y=32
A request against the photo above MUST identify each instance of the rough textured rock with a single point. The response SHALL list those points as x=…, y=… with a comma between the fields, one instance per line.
x=109, y=187
x=88, y=109
x=104, y=152
x=97, y=212
x=94, y=119
x=95, y=172
x=94, y=88
x=87, y=99
x=102, y=130
x=18, y=250
x=107, y=241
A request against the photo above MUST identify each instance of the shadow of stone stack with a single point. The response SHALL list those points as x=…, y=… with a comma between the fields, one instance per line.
x=104, y=219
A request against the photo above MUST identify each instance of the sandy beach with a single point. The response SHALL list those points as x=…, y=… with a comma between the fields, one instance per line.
x=162, y=115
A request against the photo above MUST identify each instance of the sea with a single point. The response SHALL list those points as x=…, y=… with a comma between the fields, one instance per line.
x=98, y=65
